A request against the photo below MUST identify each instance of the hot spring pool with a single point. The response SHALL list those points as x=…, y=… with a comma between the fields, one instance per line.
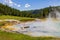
x=41, y=28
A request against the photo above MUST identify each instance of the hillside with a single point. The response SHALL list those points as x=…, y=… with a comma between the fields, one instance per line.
x=38, y=13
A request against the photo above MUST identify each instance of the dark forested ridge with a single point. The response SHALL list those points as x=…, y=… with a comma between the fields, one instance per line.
x=39, y=13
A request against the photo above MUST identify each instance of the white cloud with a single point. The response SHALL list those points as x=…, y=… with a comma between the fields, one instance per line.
x=27, y=5
x=19, y=5
x=15, y=4
x=11, y=3
x=8, y=1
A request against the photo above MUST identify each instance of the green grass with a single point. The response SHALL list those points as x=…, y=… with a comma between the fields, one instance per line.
x=16, y=18
x=18, y=36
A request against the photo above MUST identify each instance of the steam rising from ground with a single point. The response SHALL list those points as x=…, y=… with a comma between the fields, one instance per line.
x=49, y=27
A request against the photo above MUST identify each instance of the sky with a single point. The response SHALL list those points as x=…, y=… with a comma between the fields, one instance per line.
x=30, y=4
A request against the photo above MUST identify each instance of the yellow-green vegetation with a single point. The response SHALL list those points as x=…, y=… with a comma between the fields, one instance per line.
x=5, y=24
x=18, y=36
x=16, y=18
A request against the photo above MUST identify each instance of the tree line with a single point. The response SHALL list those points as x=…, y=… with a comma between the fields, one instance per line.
x=39, y=13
